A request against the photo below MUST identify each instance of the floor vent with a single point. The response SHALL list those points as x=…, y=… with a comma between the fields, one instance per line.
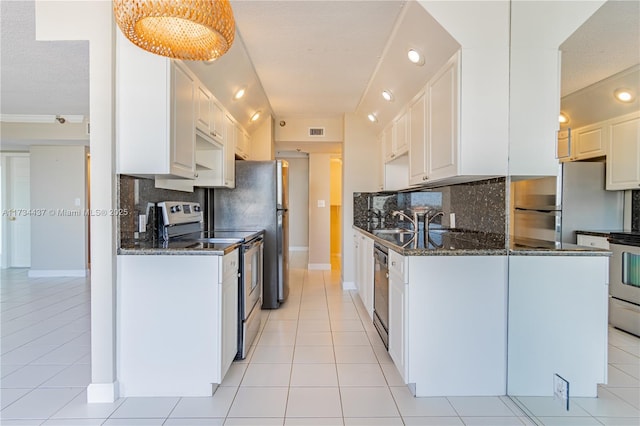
x=316, y=131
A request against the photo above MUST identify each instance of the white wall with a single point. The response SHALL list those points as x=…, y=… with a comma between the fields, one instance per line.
x=298, y=203
x=262, y=142
x=297, y=129
x=59, y=239
x=360, y=156
x=319, y=215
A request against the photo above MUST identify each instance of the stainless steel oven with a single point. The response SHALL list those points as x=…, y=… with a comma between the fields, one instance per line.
x=250, y=294
x=624, y=282
x=381, y=292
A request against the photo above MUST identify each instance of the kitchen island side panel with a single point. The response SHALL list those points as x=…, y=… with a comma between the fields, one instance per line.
x=557, y=323
x=457, y=321
x=168, y=322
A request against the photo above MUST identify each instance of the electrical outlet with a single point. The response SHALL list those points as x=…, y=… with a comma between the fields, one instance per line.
x=452, y=220
x=561, y=390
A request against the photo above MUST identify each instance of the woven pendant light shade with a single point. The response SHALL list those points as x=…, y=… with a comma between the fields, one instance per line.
x=193, y=30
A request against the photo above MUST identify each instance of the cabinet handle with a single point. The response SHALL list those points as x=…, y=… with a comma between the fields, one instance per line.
x=393, y=155
x=393, y=263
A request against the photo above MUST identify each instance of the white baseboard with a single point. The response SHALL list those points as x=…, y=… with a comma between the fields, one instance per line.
x=49, y=273
x=102, y=392
x=348, y=285
x=319, y=266
x=298, y=248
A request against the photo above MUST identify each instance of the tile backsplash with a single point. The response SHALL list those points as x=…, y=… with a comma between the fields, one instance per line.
x=136, y=194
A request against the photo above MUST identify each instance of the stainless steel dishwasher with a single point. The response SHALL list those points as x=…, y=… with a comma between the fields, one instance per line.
x=381, y=292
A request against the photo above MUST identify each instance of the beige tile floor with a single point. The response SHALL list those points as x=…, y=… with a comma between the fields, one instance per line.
x=316, y=362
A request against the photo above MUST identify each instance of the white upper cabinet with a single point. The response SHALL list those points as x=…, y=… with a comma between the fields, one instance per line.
x=623, y=156
x=583, y=143
x=217, y=121
x=434, y=128
x=155, y=117
x=229, y=164
x=443, y=122
x=204, y=114
x=418, y=149
x=395, y=138
x=243, y=147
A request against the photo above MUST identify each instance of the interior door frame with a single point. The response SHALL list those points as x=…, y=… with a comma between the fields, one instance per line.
x=5, y=259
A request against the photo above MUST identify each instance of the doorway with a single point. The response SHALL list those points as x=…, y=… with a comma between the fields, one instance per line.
x=336, y=213
x=16, y=203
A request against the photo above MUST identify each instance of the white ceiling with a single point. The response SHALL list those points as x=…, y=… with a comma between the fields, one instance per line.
x=304, y=58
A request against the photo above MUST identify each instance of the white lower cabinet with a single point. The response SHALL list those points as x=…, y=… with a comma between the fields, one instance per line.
x=176, y=322
x=398, y=292
x=229, y=311
x=593, y=241
x=364, y=270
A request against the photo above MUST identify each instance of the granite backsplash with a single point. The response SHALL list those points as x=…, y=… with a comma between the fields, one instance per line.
x=136, y=194
x=478, y=206
x=635, y=210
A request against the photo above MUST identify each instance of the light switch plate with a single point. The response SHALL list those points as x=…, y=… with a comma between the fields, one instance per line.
x=321, y=203
x=561, y=390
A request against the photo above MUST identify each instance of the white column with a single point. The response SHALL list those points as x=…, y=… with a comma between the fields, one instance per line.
x=93, y=21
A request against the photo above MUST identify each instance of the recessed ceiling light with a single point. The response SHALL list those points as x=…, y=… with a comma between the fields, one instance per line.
x=415, y=57
x=624, y=95
x=372, y=118
x=563, y=118
x=387, y=95
x=240, y=93
x=255, y=116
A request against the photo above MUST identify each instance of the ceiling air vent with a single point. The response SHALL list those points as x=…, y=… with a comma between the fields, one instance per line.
x=316, y=131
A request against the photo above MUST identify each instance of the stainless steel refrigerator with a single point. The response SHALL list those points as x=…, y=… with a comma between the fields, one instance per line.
x=553, y=208
x=260, y=201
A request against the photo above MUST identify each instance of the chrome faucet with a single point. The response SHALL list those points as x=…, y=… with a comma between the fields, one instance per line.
x=413, y=220
x=429, y=219
x=377, y=213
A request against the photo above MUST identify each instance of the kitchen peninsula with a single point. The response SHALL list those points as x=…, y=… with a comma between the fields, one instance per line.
x=472, y=304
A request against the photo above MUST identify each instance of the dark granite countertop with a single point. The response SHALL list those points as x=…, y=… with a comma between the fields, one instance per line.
x=599, y=232
x=193, y=248
x=531, y=247
x=454, y=242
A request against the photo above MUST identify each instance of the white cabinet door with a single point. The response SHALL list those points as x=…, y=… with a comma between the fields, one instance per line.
x=623, y=158
x=243, y=146
x=183, y=161
x=563, y=147
x=203, y=109
x=418, y=148
x=387, y=143
x=397, y=315
x=443, y=123
x=230, y=140
x=400, y=142
x=155, y=116
x=229, y=311
x=590, y=142
x=368, y=275
x=217, y=121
